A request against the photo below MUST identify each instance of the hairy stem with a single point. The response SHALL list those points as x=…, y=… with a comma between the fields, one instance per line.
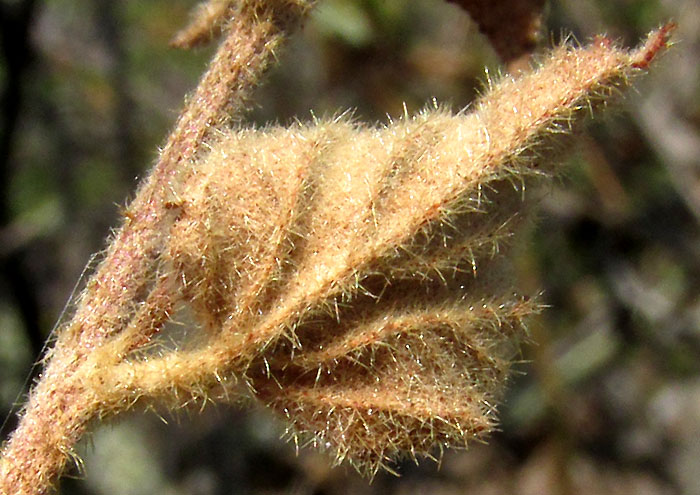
x=60, y=407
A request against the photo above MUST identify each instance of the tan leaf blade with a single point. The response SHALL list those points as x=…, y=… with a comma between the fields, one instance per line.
x=371, y=423
x=297, y=250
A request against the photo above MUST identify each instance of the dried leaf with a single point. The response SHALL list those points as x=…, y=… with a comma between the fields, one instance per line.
x=512, y=26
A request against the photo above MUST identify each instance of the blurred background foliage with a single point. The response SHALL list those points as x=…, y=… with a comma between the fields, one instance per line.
x=607, y=397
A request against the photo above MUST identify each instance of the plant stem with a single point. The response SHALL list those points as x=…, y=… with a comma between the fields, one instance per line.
x=60, y=406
